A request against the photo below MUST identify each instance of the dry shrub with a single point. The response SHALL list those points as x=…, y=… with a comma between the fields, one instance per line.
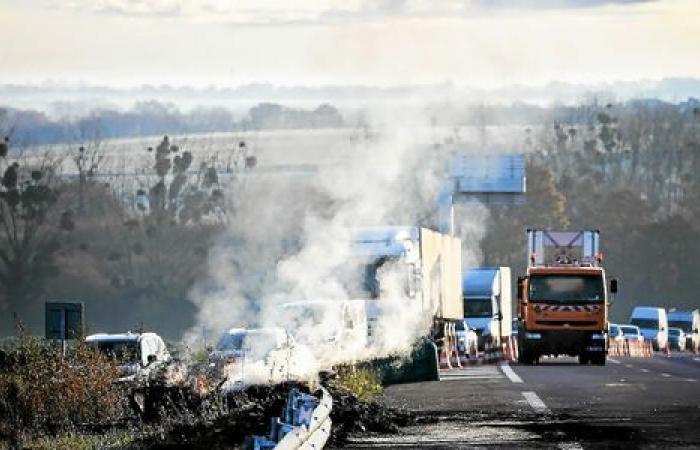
x=45, y=390
x=362, y=383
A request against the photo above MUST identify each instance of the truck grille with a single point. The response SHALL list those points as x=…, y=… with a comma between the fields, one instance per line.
x=564, y=323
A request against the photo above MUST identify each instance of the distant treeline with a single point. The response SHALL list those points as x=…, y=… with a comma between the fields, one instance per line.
x=156, y=118
x=633, y=172
x=630, y=170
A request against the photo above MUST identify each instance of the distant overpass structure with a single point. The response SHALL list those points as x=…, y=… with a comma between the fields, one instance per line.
x=496, y=179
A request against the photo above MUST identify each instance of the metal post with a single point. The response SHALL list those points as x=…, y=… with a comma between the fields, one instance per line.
x=63, y=331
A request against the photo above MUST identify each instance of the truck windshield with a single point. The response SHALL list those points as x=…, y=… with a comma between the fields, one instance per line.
x=645, y=323
x=566, y=289
x=366, y=274
x=477, y=307
x=683, y=325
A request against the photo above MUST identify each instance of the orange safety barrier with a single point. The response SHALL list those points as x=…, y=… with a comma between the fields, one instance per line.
x=454, y=355
x=510, y=349
x=444, y=359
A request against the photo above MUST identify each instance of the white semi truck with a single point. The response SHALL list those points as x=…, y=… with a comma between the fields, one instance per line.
x=417, y=266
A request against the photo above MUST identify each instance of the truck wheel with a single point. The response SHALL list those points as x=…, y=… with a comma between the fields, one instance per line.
x=583, y=359
x=598, y=359
x=527, y=357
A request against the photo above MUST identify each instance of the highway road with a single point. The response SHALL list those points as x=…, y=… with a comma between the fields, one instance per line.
x=629, y=403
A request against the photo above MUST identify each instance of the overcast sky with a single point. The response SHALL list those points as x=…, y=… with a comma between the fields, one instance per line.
x=479, y=43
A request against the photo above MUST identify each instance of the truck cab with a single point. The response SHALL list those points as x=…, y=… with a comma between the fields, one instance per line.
x=487, y=303
x=564, y=297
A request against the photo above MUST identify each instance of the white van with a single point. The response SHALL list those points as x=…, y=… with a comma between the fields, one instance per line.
x=653, y=323
x=689, y=322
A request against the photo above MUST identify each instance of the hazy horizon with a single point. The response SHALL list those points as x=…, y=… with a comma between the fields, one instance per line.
x=479, y=44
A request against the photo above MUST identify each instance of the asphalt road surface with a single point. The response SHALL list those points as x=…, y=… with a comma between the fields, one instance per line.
x=629, y=403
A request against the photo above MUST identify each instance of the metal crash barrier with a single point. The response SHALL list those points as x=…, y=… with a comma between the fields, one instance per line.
x=306, y=424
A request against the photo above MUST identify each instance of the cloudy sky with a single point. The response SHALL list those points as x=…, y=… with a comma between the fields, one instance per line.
x=479, y=43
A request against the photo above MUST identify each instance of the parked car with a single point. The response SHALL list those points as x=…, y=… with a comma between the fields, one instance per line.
x=676, y=339
x=467, y=339
x=631, y=333
x=139, y=354
x=246, y=357
x=614, y=333
x=653, y=324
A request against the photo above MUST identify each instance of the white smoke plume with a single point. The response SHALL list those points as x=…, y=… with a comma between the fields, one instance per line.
x=288, y=240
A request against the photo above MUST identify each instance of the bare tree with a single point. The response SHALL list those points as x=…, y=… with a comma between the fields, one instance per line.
x=28, y=235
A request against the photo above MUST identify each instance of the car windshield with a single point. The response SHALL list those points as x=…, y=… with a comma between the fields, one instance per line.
x=257, y=344
x=566, y=289
x=645, y=323
x=126, y=350
x=459, y=326
x=614, y=331
x=477, y=307
x=674, y=332
x=629, y=330
x=683, y=325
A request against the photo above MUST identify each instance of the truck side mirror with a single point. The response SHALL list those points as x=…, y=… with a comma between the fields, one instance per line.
x=498, y=316
x=613, y=285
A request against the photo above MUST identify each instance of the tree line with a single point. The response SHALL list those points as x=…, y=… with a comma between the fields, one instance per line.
x=629, y=170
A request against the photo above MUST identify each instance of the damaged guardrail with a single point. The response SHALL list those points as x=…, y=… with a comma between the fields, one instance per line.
x=306, y=423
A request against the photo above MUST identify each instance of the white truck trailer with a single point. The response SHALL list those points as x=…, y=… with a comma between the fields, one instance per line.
x=428, y=265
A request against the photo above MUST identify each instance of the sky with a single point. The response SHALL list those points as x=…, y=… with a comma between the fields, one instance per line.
x=473, y=43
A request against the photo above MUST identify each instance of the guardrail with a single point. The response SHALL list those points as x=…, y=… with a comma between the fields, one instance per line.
x=306, y=424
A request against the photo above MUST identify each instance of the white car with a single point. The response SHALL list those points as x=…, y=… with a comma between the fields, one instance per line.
x=138, y=353
x=467, y=339
x=631, y=333
x=261, y=356
x=676, y=339
x=615, y=333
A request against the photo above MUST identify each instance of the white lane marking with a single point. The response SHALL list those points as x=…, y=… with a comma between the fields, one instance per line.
x=508, y=371
x=471, y=373
x=645, y=370
x=629, y=366
x=696, y=359
x=569, y=446
x=614, y=361
x=535, y=402
x=690, y=380
x=665, y=375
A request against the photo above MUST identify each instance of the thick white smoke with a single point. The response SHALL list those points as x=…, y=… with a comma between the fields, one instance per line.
x=289, y=239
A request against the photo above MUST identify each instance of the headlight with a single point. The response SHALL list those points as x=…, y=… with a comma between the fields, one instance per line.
x=533, y=336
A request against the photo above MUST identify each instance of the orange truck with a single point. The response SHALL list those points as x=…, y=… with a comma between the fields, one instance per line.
x=563, y=299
